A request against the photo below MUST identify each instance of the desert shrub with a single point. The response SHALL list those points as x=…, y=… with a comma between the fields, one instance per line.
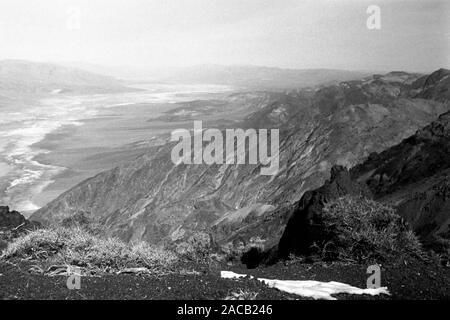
x=197, y=248
x=84, y=221
x=357, y=229
x=77, y=247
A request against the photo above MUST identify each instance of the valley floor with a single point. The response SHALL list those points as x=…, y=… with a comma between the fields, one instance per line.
x=405, y=280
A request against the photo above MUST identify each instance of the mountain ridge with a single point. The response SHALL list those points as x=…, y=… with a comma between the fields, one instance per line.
x=248, y=76
x=151, y=199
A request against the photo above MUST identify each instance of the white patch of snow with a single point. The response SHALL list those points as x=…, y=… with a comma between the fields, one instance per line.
x=231, y=275
x=310, y=288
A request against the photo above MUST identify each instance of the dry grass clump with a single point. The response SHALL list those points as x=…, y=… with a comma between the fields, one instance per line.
x=242, y=295
x=78, y=247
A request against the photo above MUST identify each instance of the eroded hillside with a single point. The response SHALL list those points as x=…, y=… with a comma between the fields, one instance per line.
x=152, y=199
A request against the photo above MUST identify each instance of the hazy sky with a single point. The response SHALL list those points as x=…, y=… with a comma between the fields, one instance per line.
x=414, y=34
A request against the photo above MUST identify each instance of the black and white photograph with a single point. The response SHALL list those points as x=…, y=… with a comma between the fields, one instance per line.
x=250, y=153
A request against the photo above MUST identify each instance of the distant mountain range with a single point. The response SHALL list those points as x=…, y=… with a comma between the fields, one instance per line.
x=243, y=76
x=19, y=77
x=261, y=77
x=25, y=77
x=153, y=200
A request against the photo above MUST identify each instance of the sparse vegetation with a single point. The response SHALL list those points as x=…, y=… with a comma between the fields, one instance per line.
x=357, y=229
x=77, y=247
x=242, y=294
x=84, y=221
x=199, y=249
x=439, y=248
x=196, y=248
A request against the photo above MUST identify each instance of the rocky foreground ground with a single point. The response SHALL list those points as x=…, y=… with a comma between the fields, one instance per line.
x=407, y=279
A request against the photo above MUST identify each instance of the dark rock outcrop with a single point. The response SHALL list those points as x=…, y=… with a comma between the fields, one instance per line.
x=302, y=230
x=13, y=224
x=13, y=220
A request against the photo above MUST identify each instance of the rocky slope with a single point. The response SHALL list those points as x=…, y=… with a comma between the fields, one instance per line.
x=414, y=176
x=151, y=199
